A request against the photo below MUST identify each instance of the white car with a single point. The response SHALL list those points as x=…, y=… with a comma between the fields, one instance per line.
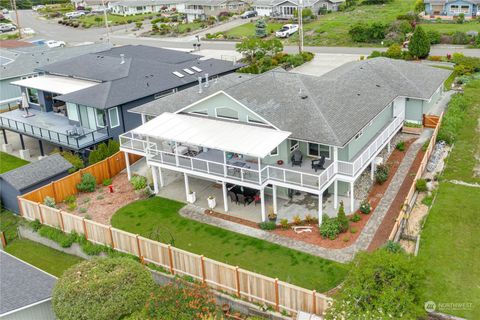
x=74, y=14
x=28, y=31
x=39, y=7
x=55, y=44
x=7, y=27
x=286, y=31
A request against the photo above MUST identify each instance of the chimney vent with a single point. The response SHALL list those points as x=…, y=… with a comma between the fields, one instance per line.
x=200, y=85
x=122, y=56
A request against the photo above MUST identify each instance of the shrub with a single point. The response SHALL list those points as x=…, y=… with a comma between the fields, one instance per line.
x=329, y=228
x=35, y=225
x=419, y=45
x=103, y=289
x=82, y=210
x=421, y=185
x=74, y=159
x=106, y=182
x=71, y=206
x=394, y=52
x=393, y=247
x=284, y=223
x=460, y=38
x=356, y=217
x=453, y=119
x=381, y=173
x=138, y=182
x=49, y=202
x=309, y=218
x=400, y=146
x=342, y=218
x=365, y=207
x=87, y=183
x=70, y=199
x=434, y=36
x=267, y=225
x=362, y=32
x=90, y=248
x=353, y=230
x=297, y=220
x=65, y=240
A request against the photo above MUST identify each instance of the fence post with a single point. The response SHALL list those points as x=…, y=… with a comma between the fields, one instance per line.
x=40, y=212
x=314, y=304
x=4, y=241
x=138, y=247
x=237, y=277
x=111, y=237
x=20, y=210
x=54, y=191
x=60, y=220
x=203, y=268
x=85, y=228
x=277, y=308
x=170, y=258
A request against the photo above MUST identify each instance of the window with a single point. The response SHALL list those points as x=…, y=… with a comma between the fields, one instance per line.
x=100, y=118
x=294, y=144
x=274, y=152
x=318, y=150
x=32, y=95
x=113, y=116
x=256, y=121
x=226, y=113
x=72, y=111
x=200, y=112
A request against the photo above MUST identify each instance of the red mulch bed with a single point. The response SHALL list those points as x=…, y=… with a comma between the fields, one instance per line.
x=386, y=227
x=343, y=240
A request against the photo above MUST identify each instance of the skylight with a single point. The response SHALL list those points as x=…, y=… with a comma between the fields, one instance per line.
x=197, y=69
x=178, y=74
x=188, y=71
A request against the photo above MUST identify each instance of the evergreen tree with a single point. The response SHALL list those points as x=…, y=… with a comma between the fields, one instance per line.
x=419, y=45
x=260, y=28
x=342, y=218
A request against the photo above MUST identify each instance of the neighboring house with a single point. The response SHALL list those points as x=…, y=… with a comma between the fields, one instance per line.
x=202, y=9
x=286, y=9
x=22, y=62
x=469, y=8
x=30, y=177
x=80, y=102
x=132, y=7
x=94, y=5
x=263, y=132
x=26, y=291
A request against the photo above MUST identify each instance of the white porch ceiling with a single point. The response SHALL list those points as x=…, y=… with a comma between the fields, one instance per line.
x=55, y=84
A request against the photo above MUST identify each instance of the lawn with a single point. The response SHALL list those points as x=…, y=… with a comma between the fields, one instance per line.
x=192, y=25
x=158, y=218
x=8, y=224
x=112, y=19
x=45, y=258
x=450, y=28
x=248, y=29
x=9, y=162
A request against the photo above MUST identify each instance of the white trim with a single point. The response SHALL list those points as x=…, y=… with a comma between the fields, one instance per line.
x=318, y=156
x=198, y=113
x=257, y=122
x=25, y=307
x=96, y=118
x=227, y=118
x=110, y=117
x=295, y=146
x=271, y=154
x=28, y=96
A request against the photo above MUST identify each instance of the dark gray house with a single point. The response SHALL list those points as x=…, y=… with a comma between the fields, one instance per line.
x=26, y=290
x=30, y=177
x=80, y=102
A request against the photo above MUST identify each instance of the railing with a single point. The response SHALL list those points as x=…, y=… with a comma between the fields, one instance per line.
x=352, y=168
x=192, y=11
x=71, y=141
x=9, y=104
x=127, y=140
x=315, y=181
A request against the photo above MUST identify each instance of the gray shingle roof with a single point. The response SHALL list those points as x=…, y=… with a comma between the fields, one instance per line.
x=145, y=71
x=27, y=59
x=35, y=172
x=22, y=284
x=330, y=109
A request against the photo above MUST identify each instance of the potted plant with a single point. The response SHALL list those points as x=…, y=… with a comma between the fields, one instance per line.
x=211, y=202
x=191, y=197
x=272, y=216
x=412, y=127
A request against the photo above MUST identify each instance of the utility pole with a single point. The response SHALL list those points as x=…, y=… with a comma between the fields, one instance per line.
x=106, y=20
x=14, y=7
x=300, y=26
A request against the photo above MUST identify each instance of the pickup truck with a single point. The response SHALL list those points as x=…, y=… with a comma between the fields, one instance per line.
x=286, y=31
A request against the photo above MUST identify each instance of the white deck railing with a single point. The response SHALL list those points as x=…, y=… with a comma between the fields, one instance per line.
x=353, y=168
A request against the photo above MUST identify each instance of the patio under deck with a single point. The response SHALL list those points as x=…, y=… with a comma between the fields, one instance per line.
x=50, y=127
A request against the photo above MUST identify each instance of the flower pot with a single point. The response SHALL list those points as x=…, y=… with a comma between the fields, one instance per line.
x=191, y=197
x=212, y=203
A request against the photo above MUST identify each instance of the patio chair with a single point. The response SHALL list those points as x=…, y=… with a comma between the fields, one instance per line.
x=233, y=196
x=317, y=164
x=241, y=199
x=297, y=158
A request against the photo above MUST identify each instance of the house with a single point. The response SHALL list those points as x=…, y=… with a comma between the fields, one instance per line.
x=26, y=290
x=283, y=133
x=19, y=60
x=94, y=5
x=451, y=8
x=285, y=9
x=30, y=177
x=132, y=7
x=80, y=102
x=202, y=9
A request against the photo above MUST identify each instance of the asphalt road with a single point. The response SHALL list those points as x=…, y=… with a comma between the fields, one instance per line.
x=121, y=35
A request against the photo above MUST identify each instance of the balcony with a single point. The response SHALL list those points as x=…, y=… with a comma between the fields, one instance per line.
x=193, y=11
x=52, y=128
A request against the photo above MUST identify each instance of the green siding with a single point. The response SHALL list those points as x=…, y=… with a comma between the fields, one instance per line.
x=427, y=106
x=414, y=110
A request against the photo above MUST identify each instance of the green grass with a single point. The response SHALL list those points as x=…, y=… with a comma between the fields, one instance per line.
x=450, y=28
x=45, y=258
x=462, y=161
x=192, y=25
x=158, y=216
x=113, y=19
x=448, y=83
x=9, y=162
x=449, y=249
x=248, y=29
x=8, y=224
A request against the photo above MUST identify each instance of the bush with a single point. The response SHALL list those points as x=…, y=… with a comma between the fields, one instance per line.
x=65, y=240
x=394, y=52
x=342, y=218
x=267, y=225
x=103, y=289
x=87, y=183
x=49, y=202
x=460, y=38
x=365, y=207
x=362, y=32
x=284, y=223
x=70, y=199
x=74, y=159
x=419, y=45
x=90, y=248
x=309, y=218
x=35, y=225
x=297, y=220
x=393, y=247
x=356, y=217
x=353, y=230
x=453, y=119
x=421, y=185
x=400, y=146
x=106, y=182
x=381, y=173
x=138, y=182
x=434, y=36
x=329, y=228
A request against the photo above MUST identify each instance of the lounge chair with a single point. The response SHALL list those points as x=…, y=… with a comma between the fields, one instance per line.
x=317, y=164
x=242, y=199
x=297, y=158
x=233, y=196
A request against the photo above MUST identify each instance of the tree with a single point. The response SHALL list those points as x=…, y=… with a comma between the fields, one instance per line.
x=394, y=52
x=419, y=45
x=271, y=47
x=102, y=289
x=260, y=28
x=419, y=6
x=249, y=47
x=342, y=218
x=350, y=3
x=380, y=285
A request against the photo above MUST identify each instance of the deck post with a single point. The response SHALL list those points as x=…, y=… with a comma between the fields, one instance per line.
x=225, y=196
x=160, y=177
x=335, y=194
x=262, y=201
x=372, y=169
x=127, y=164
x=22, y=143
x=40, y=144
x=352, y=199
x=388, y=147
x=155, y=179
x=335, y=159
x=187, y=185
x=260, y=172
x=224, y=163
x=320, y=208
x=274, y=194
x=4, y=136
x=144, y=118
x=176, y=154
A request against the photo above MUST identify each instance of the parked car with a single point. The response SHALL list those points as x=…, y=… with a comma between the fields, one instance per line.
x=7, y=27
x=248, y=14
x=28, y=31
x=39, y=7
x=286, y=31
x=55, y=44
x=5, y=11
x=74, y=14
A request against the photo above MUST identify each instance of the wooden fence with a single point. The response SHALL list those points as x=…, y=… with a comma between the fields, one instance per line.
x=430, y=121
x=418, y=175
x=66, y=186
x=219, y=276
